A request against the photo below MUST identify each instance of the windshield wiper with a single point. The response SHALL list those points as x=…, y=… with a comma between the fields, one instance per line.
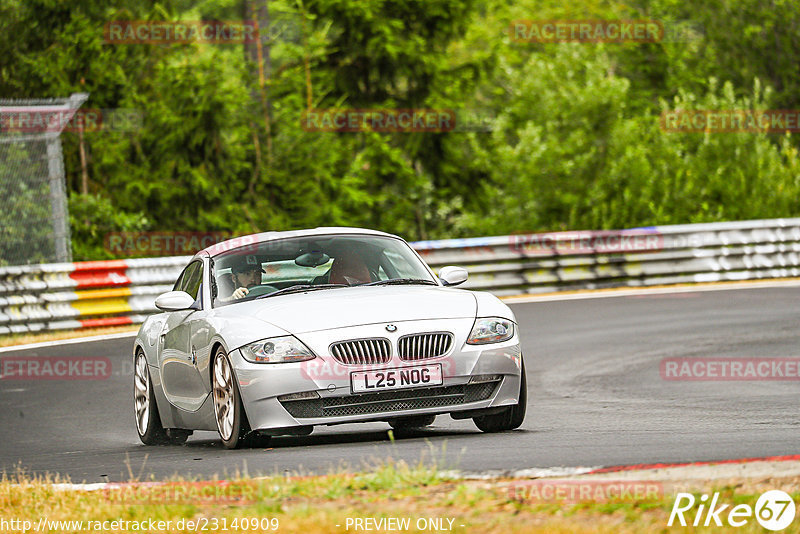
x=399, y=281
x=299, y=288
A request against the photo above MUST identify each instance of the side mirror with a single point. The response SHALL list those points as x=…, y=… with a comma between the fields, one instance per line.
x=174, y=301
x=452, y=276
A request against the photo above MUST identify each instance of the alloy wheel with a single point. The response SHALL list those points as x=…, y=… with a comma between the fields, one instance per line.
x=141, y=395
x=223, y=395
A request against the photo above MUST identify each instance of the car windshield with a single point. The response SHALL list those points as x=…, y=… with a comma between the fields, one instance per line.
x=313, y=263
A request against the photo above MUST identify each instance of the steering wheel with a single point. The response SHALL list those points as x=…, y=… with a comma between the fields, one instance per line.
x=256, y=291
x=373, y=274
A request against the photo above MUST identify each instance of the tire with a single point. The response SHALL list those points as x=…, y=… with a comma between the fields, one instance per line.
x=510, y=418
x=412, y=422
x=148, y=422
x=232, y=424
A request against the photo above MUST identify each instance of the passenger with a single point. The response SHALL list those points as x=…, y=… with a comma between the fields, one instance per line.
x=349, y=268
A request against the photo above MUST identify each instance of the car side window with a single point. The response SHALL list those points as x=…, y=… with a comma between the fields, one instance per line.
x=178, y=282
x=190, y=279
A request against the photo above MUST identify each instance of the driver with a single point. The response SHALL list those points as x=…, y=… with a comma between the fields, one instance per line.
x=245, y=276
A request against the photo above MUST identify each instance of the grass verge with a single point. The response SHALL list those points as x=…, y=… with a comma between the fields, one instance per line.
x=420, y=499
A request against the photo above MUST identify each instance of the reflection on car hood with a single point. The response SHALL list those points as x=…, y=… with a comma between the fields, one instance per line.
x=335, y=308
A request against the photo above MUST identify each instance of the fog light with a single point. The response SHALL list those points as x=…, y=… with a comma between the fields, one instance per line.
x=478, y=379
x=305, y=395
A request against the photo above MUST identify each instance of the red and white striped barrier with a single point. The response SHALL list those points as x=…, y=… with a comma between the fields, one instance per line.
x=83, y=294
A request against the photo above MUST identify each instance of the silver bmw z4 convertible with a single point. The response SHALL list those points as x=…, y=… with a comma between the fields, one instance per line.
x=275, y=333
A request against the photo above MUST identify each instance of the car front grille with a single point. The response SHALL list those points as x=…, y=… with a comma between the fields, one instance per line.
x=362, y=351
x=422, y=346
x=391, y=401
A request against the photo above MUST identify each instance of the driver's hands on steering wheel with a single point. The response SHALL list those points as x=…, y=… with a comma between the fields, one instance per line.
x=239, y=293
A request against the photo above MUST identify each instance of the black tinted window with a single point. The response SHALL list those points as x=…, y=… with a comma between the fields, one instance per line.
x=190, y=279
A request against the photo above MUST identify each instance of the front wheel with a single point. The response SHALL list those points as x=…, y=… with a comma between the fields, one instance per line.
x=232, y=425
x=511, y=417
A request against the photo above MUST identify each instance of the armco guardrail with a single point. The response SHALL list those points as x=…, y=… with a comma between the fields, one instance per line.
x=535, y=263
x=107, y=293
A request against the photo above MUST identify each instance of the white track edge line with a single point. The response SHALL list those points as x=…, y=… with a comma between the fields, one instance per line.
x=534, y=472
x=69, y=341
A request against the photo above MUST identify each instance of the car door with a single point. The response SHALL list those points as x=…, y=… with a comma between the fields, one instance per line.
x=183, y=384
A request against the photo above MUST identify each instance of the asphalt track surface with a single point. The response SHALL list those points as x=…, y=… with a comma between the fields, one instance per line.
x=596, y=398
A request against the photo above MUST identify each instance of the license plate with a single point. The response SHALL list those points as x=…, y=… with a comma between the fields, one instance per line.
x=406, y=377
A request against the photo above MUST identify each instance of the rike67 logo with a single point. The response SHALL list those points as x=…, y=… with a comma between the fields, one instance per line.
x=774, y=510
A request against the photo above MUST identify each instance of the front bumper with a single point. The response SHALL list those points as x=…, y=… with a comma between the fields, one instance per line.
x=262, y=384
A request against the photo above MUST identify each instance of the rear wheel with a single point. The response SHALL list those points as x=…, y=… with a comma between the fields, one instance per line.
x=148, y=422
x=511, y=417
x=412, y=422
x=232, y=424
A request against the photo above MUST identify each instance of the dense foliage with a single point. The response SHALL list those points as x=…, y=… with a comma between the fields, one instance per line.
x=574, y=141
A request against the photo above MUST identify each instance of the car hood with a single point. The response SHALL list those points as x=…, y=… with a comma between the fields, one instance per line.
x=325, y=309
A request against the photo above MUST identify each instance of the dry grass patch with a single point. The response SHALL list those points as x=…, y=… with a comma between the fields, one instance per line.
x=325, y=503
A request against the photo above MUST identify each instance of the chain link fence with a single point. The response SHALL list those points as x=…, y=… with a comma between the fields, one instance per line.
x=34, y=221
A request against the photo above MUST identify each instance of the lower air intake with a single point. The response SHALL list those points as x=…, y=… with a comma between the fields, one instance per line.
x=395, y=401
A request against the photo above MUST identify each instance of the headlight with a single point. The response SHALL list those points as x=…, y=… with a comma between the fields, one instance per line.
x=491, y=330
x=277, y=350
